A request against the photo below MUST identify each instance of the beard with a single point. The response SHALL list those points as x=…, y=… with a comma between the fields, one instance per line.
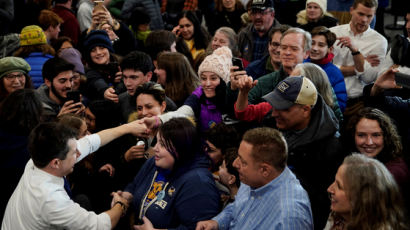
x=57, y=94
x=260, y=28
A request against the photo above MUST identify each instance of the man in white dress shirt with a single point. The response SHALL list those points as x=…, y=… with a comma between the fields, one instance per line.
x=40, y=200
x=359, y=50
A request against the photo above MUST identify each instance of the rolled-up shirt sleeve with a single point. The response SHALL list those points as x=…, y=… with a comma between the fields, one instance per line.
x=88, y=145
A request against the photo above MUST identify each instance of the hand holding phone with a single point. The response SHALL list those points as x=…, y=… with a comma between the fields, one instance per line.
x=73, y=96
x=237, y=62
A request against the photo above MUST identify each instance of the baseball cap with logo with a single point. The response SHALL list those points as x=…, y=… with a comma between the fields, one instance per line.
x=293, y=90
x=261, y=4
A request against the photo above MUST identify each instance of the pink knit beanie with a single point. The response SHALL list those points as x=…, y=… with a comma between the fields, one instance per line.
x=219, y=62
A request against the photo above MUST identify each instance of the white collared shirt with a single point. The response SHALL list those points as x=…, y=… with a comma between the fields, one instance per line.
x=41, y=202
x=369, y=42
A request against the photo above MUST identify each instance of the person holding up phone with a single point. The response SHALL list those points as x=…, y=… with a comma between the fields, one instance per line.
x=58, y=78
x=103, y=75
x=85, y=11
x=123, y=40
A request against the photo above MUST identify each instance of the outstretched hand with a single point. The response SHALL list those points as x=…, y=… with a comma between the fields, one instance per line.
x=138, y=128
x=152, y=124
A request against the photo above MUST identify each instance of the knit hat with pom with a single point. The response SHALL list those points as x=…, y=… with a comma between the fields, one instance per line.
x=219, y=62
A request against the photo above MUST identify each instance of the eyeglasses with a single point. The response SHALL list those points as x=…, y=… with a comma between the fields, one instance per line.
x=11, y=77
x=258, y=11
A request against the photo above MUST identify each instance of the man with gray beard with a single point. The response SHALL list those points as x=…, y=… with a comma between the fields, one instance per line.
x=253, y=39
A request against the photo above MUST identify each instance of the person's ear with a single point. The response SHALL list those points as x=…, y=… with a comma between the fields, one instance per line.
x=306, y=110
x=232, y=179
x=265, y=169
x=148, y=76
x=330, y=50
x=163, y=106
x=306, y=55
x=55, y=163
x=47, y=82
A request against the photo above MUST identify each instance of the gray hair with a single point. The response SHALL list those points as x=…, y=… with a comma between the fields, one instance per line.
x=307, y=37
x=320, y=79
x=232, y=37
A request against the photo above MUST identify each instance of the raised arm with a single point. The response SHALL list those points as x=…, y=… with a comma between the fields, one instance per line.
x=136, y=128
x=245, y=84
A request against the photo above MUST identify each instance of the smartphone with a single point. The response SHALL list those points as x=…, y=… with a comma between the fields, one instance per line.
x=402, y=79
x=113, y=69
x=98, y=6
x=74, y=96
x=237, y=62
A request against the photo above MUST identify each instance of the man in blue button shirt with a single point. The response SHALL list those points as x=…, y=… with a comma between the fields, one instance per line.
x=270, y=196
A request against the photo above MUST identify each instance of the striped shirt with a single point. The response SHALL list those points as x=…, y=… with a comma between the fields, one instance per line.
x=280, y=204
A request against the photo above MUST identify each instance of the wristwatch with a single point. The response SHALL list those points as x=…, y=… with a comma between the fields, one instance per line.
x=123, y=207
x=355, y=53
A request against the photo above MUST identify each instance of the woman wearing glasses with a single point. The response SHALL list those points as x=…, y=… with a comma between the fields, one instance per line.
x=13, y=75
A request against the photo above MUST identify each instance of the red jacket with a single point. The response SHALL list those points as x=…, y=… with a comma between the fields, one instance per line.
x=253, y=112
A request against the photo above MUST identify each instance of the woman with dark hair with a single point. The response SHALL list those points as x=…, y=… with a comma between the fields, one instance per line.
x=76, y=122
x=372, y=133
x=35, y=50
x=99, y=180
x=229, y=176
x=227, y=13
x=61, y=43
x=176, y=76
x=365, y=196
x=103, y=79
x=158, y=41
x=207, y=103
x=174, y=189
x=13, y=76
x=20, y=112
x=190, y=29
x=150, y=100
x=218, y=139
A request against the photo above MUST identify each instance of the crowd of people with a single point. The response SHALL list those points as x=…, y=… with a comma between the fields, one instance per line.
x=206, y=115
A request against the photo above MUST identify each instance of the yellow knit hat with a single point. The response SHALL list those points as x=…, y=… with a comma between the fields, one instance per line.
x=32, y=35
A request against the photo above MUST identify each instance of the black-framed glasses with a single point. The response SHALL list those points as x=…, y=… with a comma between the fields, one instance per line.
x=12, y=77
